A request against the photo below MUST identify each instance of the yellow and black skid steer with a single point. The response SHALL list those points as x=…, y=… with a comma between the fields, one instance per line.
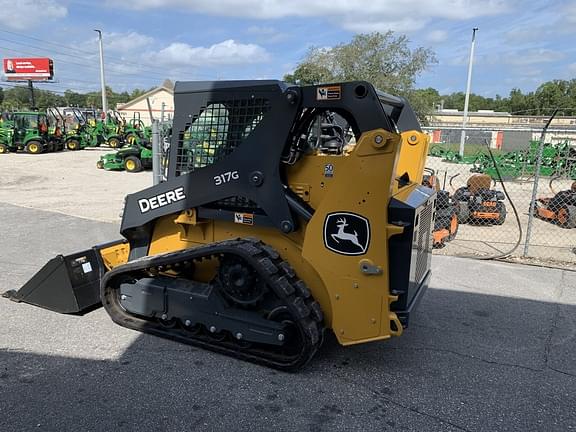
x=287, y=211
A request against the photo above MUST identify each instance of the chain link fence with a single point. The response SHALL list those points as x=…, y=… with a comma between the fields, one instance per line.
x=161, y=135
x=515, y=198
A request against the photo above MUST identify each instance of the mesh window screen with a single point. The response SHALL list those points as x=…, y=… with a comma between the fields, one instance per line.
x=216, y=131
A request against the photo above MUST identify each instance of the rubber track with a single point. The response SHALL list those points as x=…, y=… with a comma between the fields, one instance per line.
x=277, y=273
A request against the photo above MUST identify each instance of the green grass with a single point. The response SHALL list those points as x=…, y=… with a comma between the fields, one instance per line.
x=469, y=149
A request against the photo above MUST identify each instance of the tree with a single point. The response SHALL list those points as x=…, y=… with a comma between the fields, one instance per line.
x=383, y=59
x=46, y=99
x=310, y=73
x=424, y=100
x=519, y=103
x=556, y=94
x=74, y=99
x=136, y=93
x=17, y=98
x=116, y=98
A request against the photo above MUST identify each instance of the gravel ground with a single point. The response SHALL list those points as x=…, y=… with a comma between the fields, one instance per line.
x=68, y=182
x=491, y=348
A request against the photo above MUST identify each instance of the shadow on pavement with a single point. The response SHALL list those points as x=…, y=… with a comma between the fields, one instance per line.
x=469, y=362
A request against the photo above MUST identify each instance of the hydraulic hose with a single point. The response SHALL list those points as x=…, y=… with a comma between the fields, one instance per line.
x=519, y=240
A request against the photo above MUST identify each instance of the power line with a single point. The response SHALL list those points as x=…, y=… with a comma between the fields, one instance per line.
x=95, y=82
x=44, y=41
x=42, y=48
x=116, y=73
x=36, y=83
x=75, y=56
x=77, y=90
x=67, y=87
x=34, y=54
x=26, y=88
x=120, y=62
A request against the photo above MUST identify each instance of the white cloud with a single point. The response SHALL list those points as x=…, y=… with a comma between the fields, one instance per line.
x=376, y=23
x=516, y=58
x=354, y=15
x=527, y=36
x=25, y=14
x=530, y=72
x=529, y=57
x=572, y=68
x=570, y=12
x=225, y=53
x=125, y=42
x=437, y=36
x=266, y=34
x=261, y=30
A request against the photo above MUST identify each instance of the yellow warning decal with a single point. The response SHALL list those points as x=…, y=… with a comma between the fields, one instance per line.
x=244, y=218
x=329, y=93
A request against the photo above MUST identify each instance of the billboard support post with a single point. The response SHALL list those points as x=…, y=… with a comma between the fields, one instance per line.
x=32, y=100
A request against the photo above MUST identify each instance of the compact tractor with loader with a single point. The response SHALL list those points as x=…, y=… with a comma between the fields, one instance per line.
x=264, y=236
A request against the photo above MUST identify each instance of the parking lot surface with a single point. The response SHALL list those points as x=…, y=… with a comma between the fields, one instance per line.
x=491, y=348
x=68, y=182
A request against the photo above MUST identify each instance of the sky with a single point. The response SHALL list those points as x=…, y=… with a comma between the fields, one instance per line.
x=519, y=44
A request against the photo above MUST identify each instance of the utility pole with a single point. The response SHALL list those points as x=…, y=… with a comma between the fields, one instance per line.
x=467, y=98
x=102, y=80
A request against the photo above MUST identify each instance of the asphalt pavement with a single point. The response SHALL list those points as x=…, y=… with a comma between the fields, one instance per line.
x=491, y=348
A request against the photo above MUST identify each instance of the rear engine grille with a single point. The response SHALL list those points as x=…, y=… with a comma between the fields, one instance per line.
x=424, y=241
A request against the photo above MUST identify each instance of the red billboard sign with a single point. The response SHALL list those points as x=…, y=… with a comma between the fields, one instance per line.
x=35, y=69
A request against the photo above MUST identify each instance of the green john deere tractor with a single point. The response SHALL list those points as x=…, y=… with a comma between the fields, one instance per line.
x=29, y=132
x=135, y=132
x=107, y=133
x=91, y=133
x=56, y=129
x=131, y=159
x=78, y=135
x=113, y=129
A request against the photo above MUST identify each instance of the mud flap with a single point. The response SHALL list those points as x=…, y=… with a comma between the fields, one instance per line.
x=67, y=283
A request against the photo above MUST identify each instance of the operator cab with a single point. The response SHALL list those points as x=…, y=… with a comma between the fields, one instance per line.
x=25, y=123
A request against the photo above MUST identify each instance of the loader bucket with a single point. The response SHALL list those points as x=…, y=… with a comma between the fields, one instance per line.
x=71, y=283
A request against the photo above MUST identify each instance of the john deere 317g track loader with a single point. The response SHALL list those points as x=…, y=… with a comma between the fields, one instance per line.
x=287, y=211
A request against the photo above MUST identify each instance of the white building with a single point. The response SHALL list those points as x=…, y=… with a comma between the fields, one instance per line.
x=159, y=100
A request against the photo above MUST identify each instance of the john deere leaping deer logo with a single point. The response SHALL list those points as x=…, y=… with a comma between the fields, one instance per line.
x=343, y=235
x=346, y=233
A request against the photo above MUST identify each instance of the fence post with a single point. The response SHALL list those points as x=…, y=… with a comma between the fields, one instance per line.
x=536, y=183
x=156, y=154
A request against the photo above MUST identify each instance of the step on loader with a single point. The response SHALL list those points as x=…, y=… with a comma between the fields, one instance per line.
x=288, y=211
